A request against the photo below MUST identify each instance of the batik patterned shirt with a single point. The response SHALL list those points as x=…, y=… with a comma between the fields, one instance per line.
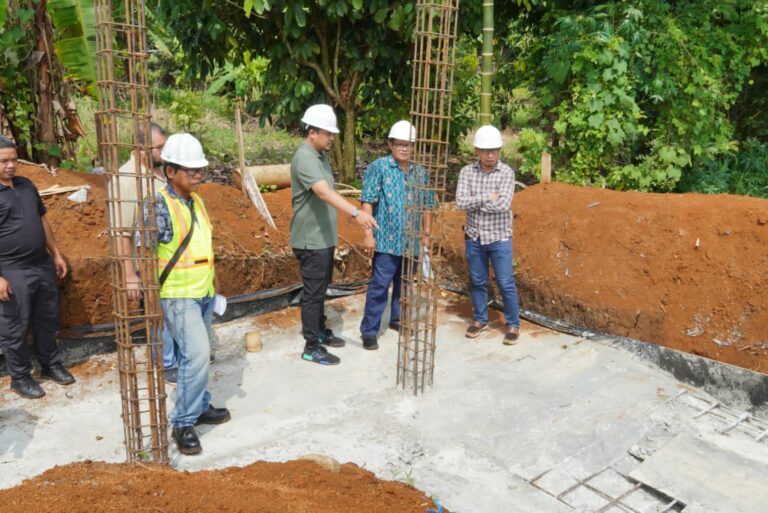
x=389, y=190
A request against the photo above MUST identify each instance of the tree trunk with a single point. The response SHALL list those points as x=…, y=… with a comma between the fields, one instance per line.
x=348, y=163
x=45, y=132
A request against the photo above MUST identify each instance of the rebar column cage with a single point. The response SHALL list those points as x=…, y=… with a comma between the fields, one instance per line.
x=433, y=68
x=123, y=129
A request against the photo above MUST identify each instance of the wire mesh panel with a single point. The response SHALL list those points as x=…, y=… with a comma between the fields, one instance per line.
x=433, y=67
x=123, y=130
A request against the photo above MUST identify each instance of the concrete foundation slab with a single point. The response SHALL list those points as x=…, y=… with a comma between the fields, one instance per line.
x=497, y=423
x=697, y=471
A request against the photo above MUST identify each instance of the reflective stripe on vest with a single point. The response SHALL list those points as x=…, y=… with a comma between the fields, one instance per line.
x=192, y=276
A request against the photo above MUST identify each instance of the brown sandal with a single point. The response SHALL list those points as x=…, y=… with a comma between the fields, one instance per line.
x=510, y=338
x=475, y=329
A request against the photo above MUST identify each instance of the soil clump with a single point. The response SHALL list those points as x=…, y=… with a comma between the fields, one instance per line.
x=263, y=487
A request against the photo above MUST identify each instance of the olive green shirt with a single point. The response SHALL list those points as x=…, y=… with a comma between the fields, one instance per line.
x=314, y=224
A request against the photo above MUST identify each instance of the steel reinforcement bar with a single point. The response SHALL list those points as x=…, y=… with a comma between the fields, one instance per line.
x=123, y=130
x=433, y=68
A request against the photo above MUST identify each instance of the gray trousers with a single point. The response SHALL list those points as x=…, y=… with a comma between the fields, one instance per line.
x=34, y=305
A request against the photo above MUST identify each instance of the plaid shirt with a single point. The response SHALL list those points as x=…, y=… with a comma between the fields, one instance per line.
x=490, y=221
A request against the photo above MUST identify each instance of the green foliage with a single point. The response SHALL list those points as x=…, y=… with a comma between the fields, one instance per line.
x=742, y=172
x=186, y=110
x=16, y=92
x=466, y=90
x=267, y=188
x=73, y=21
x=522, y=109
x=245, y=80
x=531, y=144
x=635, y=93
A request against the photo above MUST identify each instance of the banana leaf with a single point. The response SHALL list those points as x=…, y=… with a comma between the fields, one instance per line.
x=75, y=44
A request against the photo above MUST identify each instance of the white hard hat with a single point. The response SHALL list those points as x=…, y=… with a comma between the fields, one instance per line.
x=184, y=150
x=321, y=116
x=403, y=131
x=487, y=137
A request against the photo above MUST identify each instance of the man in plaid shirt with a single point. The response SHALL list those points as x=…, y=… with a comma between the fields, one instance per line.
x=485, y=191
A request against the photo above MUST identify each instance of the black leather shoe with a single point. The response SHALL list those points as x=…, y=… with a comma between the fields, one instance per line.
x=57, y=373
x=394, y=326
x=213, y=416
x=186, y=440
x=370, y=343
x=27, y=387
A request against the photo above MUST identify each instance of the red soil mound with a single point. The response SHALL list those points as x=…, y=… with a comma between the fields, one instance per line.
x=293, y=487
x=684, y=271
x=249, y=255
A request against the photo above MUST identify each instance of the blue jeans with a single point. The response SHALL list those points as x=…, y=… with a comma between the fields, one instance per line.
x=386, y=269
x=188, y=321
x=500, y=255
x=170, y=349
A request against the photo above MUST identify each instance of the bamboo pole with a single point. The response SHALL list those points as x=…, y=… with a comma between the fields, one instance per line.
x=486, y=73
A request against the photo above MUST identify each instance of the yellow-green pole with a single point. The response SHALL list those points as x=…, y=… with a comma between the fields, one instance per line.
x=486, y=64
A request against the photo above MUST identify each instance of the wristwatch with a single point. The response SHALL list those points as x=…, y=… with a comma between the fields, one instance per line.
x=355, y=212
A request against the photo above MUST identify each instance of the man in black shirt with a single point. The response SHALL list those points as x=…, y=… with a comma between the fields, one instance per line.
x=30, y=261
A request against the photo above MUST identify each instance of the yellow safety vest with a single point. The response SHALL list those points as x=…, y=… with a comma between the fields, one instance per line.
x=192, y=276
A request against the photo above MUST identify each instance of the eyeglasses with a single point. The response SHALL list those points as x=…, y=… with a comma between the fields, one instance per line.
x=193, y=172
x=402, y=146
x=489, y=152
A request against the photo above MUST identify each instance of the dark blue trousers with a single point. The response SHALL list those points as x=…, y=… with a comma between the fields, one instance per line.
x=386, y=269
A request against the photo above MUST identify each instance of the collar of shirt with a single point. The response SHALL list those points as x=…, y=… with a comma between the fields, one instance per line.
x=170, y=190
x=496, y=168
x=15, y=182
x=313, y=150
x=391, y=162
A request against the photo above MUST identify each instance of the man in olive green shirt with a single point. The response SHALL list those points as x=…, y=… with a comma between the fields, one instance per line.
x=314, y=227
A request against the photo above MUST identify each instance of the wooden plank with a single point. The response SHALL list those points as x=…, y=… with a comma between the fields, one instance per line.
x=56, y=189
x=252, y=188
x=546, y=167
x=248, y=182
x=240, y=142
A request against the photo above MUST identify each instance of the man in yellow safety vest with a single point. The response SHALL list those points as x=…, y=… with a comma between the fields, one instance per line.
x=187, y=284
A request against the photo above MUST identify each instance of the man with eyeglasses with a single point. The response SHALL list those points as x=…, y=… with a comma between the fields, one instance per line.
x=127, y=210
x=485, y=191
x=388, y=186
x=187, y=281
x=314, y=228
x=30, y=262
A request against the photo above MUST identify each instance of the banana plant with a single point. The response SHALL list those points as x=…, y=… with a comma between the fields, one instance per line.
x=75, y=39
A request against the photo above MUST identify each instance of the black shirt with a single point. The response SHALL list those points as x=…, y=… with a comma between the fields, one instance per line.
x=22, y=236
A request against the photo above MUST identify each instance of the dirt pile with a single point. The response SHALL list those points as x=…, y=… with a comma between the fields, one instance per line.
x=685, y=271
x=249, y=255
x=296, y=486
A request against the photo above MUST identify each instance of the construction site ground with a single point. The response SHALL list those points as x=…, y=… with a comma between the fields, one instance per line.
x=683, y=271
x=554, y=424
x=504, y=429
